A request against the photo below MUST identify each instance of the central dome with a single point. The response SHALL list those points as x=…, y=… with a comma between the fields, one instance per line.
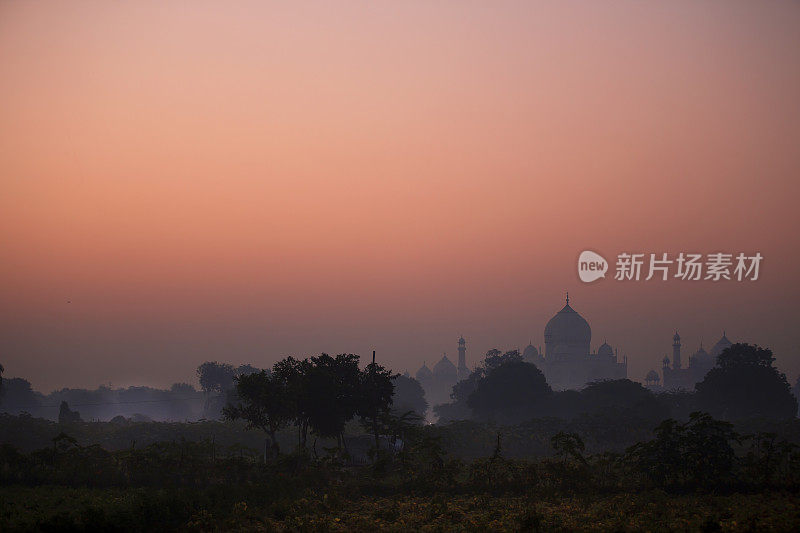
x=567, y=327
x=444, y=367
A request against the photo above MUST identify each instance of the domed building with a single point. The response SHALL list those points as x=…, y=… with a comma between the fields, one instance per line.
x=700, y=363
x=567, y=335
x=605, y=350
x=424, y=374
x=568, y=361
x=677, y=376
x=719, y=347
x=438, y=384
x=534, y=356
x=652, y=380
x=445, y=370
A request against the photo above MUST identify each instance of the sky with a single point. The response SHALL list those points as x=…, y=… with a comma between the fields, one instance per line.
x=243, y=181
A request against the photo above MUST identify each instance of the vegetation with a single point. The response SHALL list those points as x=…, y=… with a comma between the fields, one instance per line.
x=348, y=453
x=695, y=474
x=745, y=384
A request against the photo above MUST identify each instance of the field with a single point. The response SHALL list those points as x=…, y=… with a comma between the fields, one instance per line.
x=691, y=476
x=48, y=508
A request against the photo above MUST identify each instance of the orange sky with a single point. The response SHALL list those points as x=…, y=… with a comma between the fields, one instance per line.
x=242, y=182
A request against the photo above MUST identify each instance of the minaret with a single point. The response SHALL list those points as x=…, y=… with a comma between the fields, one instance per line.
x=676, y=351
x=463, y=371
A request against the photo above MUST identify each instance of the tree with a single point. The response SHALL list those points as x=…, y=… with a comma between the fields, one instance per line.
x=215, y=378
x=698, y=453
x=376, y=390
x=241, y=370
x=184, y=389
x=745, y=384
x=324, y=392
x=67, y=415
x=568, y=446
x=509, y=392
x=294, y=372
x=409, y=396
x=622, y=395
x=458, y=409
x=796, y=389
x=332, y=394
x=19, y=396
x=263, y=402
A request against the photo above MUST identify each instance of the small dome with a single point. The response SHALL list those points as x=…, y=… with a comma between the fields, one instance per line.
x=444, y=367
x=461, y=340
x=701, y=358
x=676, y=337
x=605, y=349
x=567, y=327
x=652, y=376
x=530, y=353
x=665, y=361
x=720, y=346
x=424, y=373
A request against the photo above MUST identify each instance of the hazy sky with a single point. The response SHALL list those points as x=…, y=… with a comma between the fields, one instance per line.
x=242, y=181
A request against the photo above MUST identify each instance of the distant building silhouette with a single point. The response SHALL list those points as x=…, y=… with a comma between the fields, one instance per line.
x=463, y=371
x=438, y=383
x=676, y=376
x=568, y=362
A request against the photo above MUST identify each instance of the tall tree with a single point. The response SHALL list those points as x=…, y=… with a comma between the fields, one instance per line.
x=375, y=398
x=294, y=372
x=746, y=384
x=263, y=402
x=333, y=393
x=215, y=380
x=324, y=391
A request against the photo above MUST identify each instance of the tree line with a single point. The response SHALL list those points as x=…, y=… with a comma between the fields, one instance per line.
x=318, y=394
x=745, y=383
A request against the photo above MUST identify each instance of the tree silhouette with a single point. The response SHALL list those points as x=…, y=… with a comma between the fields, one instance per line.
x=698, y=453
x=376, y=390
x=66, y=415
x=241, y=370
x=332, y=394
x=621, y=395
x=215, y=378
x=264, y=402
x=745, y=384
x=459, y=409
x=294, y=373
x=510, y=391
x=408, y=396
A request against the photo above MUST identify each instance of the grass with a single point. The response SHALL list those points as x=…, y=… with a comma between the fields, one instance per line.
x=61, y=508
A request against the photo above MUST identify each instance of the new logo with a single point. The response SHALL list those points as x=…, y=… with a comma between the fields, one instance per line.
x=591, y=266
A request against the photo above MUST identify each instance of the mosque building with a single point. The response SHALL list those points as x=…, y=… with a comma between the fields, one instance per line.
x=678, y=377
x=438, y=383
x=567, y=361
